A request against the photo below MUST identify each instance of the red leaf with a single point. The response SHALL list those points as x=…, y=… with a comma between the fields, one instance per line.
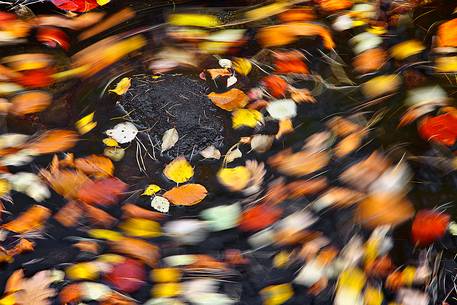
x=441, y=129
x=275, y=85
x=37, y=78
x=259, y=217
x=53, y=37
x=429, y=226
x=127, y=276
x=104, y=192
x=75, y=5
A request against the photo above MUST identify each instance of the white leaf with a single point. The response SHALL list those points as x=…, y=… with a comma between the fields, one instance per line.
x=169, y=139
x=94, y=291
x=227, y=35
x=231, y=81
x=123, y=132
x=12, y=139
x=232, y=155
x=161, y=204
x=211, y=152
x=261, y=143
x=310, y=274
x=282, y=109
x=186, y=231
x=225, y=63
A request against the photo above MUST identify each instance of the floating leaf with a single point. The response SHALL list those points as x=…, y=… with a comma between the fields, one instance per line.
x=131, y=210
x=261, y=143
x=94, y=165
x=259, y=217
x=302, y=96
x=242, y=66
x=194, y=20
x=66, y=182
x=447, y=34
x=370, y=60
x=86, y=123
x=188, y=194
x=127, y=276
x=406, y=49
x=31, y=220
x=285, y=127
x=104, y=191
x=429, y=226
x=36, y=290
x=282, y=109
x=110, y=142
x=381, y=85
x=122, y=86
x=53, y=141
x=211, y=152
x=30, y=102
x=114, y=153
x=246, y=117
x=136, y=248
x=232, y=155
x=222, y=217
x=160, y=204
x=441, y=129
x=169, y=139
x=138, y=227
x=151, y=189
x=179, y=170
x=229, y=100
x=277, y=294
x=82, y=271
x=105, y=234
x=235, y=179
x=299, y=163
x=123, y=132
x=275, y=85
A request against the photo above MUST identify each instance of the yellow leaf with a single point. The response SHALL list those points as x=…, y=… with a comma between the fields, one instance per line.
x=194, y=20
x=122, y=86
x=380, y=85
x=235, y=179
x=214, y=47
x=139, y=227
x=285, y=127
x=5, y=187
x=281, y=259
x=352, y=278
x=179, y=170
x=103, y=2
x=246, y=117
x=446, y=64
x=277, y=294
x=166, y=290
x=110, y=142
x=407, y=275
x=82, y=271
x=373, y=296
x=164, y=275
x=242, y=66
x=267, y=10
x=111, y=258
x=105, y=234
x=405, y=49
x=8, y=300
x=151, y=190
x=86, y=124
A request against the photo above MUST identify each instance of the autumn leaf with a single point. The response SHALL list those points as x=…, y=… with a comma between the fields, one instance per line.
x=211, y=152
x=301, y=188
x=151, y=189
x=122, y=86
x=298, y=164
x=86, y=123
x=406, y=49
x=259, y=217
x=131, y=210
x=242, y=66
x=169, y=139
x=246, y=117
x=69, y=214
x=94, y=165
x=188, y=194
x=136, y=248
x=381, y=85
x=53, y=141
x=30, y=102
x=36, y=290
x=138, y=227
x=179, y=170
x=98, y=216
x=103, y=192
x=370, y=60
x=447, y=34
x=275, y=85
x=235, y=179
x=302, y=96
x=229, y=100
x=31, y=220
x=441, y=129
x=66, y=182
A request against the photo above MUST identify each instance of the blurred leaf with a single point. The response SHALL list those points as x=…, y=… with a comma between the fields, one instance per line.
x=242, y=65
x=95, y=165
x=299, y=163
x=86, y=123
x=105, y=191
x=31, y=220
x=194, y=20
x=136, y=248
x=53, y=141
x=234, y=179
x=105, y=234
x=30, y=102
x=406, y=49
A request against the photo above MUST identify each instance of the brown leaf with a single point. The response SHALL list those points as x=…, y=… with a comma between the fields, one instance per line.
x=53, y=141
x=103, y=192
x=35, y=290
x=370, y=60
x=137, y=248
x=277, y=192
x=94, y=165
x=302, y=96
x=301, y=188
x=188, y=194
x=66, y=182
x=131, y=210
x=98, y=216
x=298, y=164
x=229, y=100
x=349, y=144
x=30, y=102
x=343, y=127
x=69, y=214
x=28, y=221
x=343, y=197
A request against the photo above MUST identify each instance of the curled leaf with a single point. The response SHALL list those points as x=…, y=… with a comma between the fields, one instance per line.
x=122, y=86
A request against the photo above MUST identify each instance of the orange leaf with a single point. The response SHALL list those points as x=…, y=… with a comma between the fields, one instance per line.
x=69, y=214
x=136, y=248
x=276, y=85
x=14, y=282
x=54, y=141
x=188, y=194
x=297, y=14
x=30, y=220
x=301, y=188
x=98, y=216
x=370, y=60
x=97, y=166
x=66, y=182
x=298, y=164
x=230, y=100
x=30, y=102
x=447, y=34
x=104, y=192
x=133, y=211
